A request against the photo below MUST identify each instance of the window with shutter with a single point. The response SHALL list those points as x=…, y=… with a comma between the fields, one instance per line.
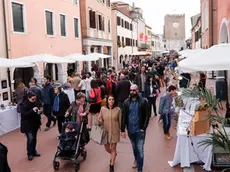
x=99, y=22
x=63, y=25
x=118, y=21
x=49, y=23
x=122, y=23
x=76, y=28
x=18, y=17
x=103, y=23
x=131, y=26
x=127, y=25
x=109, y=29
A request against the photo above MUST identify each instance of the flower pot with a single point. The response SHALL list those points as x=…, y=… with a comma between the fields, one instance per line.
x=201, y=115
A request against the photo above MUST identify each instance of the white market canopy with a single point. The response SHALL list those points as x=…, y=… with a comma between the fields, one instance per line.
x=216, y=58
x=141, y=53
x=45, y=58
x=98, y=55
x=190, y=52
x=14, y=63
x=81, y=58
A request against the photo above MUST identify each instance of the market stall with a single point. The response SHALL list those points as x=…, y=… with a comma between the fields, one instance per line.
x=9, y=118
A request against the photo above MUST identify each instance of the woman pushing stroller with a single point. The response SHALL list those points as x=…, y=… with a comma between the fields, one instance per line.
x=78, y=109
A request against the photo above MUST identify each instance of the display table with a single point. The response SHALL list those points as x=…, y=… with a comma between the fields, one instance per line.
x=9, y=120
x=186, y=153
x=70, y=93
x=188, y=149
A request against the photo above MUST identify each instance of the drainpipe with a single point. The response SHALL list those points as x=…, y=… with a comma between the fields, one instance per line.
x=7, y=45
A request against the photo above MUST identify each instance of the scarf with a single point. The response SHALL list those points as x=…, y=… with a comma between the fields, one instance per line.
x=80, y=108
x=56, y=103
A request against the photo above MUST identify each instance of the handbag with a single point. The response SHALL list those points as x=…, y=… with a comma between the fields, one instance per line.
x=93, y=99
x=99, y=135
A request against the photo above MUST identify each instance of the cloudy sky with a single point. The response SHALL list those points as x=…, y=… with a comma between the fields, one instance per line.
x=155, y=10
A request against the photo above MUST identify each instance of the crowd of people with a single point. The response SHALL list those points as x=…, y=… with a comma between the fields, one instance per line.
x=122, y=100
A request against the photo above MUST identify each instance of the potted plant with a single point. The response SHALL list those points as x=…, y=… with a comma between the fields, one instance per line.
x=123, y=44
x=219, y=139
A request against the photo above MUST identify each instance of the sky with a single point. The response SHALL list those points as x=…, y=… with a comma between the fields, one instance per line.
x=155, y=10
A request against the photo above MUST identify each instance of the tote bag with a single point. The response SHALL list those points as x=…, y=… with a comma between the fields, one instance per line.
x=99, y=135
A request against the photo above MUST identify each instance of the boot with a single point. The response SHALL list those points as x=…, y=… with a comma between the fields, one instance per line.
x=111, y=168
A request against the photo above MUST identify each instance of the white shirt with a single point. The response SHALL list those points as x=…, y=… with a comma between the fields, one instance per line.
x=82, y=84
x=88, y=81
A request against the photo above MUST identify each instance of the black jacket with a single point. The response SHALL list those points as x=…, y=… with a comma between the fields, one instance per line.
x=48, y=94
x=30, y=120
x=4, y=167
x=147, y=89
x=63, y=104
x=123, y=88
x=144, y=113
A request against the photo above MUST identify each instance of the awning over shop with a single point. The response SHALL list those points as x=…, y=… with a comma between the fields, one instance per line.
x=216, y=58
x=81, y=58
x=14, y=63
x=45, y=58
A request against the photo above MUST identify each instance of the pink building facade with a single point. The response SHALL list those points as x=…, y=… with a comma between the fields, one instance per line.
x=44, y=26
x=97, y=30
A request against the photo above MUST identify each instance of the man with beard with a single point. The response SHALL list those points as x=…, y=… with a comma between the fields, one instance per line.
x=135, y=117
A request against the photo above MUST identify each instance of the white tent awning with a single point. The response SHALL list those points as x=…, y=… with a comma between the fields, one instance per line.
x=216, y=58
x=98, y=55
x=45, y=58
x=190, y=52
x=81, y=58
x=11, y=63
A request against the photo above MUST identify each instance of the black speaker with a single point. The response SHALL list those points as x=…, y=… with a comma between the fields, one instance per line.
x=221, y=92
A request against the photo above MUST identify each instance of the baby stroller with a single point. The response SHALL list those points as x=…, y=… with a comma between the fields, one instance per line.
x=72, y=144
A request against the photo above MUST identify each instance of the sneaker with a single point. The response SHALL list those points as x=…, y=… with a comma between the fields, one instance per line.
x=134, y=164
x=47, y=128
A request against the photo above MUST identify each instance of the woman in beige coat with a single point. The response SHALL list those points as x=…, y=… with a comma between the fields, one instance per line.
x=110, y=115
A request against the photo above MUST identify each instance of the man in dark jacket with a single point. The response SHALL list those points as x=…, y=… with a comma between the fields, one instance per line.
x=140, y=80
x=123, y=87
x=135, y=117
x=48, y=99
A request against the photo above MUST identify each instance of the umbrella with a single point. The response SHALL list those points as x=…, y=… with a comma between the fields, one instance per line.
x=98, y=55
x=45, y=58
x=9, y=63
x=81, y=58
x=216, y=58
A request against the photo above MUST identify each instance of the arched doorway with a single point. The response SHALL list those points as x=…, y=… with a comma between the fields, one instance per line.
x=23, y=75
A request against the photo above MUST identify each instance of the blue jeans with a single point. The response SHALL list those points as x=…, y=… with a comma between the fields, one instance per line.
x=31, y=142
x=138, y=140
x=166, y=123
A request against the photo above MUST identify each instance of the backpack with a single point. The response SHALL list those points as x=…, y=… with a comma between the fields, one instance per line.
x=94, y=98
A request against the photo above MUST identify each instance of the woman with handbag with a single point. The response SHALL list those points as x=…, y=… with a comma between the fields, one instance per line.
x=110, y=117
